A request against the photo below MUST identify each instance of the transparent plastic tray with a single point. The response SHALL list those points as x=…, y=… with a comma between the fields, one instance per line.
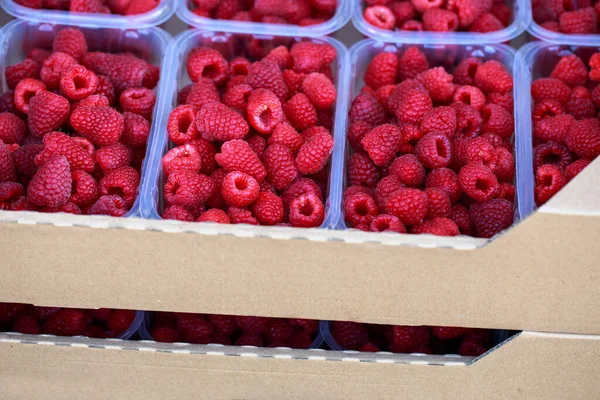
x=155, y=17
x=560, y=38
x=18, y=37
x=339, y=19
x=521, y=18
x=176, y=78
x=538, y=61
x=363, y=52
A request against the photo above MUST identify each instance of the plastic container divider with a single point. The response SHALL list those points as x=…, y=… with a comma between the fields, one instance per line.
x=339, y=19
x=155, y=17
x=134, y=327
x=18, y=37
x=144, y=332
x=363, y=52
x=521, y=19
x=176, y=77
x=560, y=38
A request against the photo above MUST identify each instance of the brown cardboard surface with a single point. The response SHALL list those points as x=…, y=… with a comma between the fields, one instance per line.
x=541, y=275
x=531, y=366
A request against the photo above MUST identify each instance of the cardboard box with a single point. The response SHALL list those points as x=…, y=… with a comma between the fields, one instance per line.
x=529, y=366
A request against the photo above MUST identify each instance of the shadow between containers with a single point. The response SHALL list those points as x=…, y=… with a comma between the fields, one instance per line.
x=155, y=17
x=154, y=41
x=175, y=59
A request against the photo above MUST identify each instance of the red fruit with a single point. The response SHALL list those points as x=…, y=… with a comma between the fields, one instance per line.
x=381, y=143
x=312, y=57
x=438, y=83
x=138, y=101
x=253, y=325
x=278, y=330
x=105, y=88
x=28, y=68
x=136, y=130
x=249, y=339
x=492, y=76
x=439, y=204
x=299, y=187
x=79, y=152
x=504, y=100
x=366, y=108
x=571, y=70
x=84, y=190
x=215, y=121
x=551, y=153
x=123, y=182
x=409, y=170
x=549, y=180
x=471, y=96
x=113, y=156
x=11, y=311
x=468, y=120
x=293, y=80
x=101, y=125
x=237, y=96
x=307, y=211
x=267, y=75
x=279, y=163
x=434, y=150
x=486, y=23
x=460, y=216
x=178, y=213
x=583, y=138
x=413, y=106
x=573, y=169
x=26, y=325
x=188, y=189
x=386, y=223
x=497, y=120
x=165, y=334
x=554, y=128
x=438, y=227
x=285, y=135
x=440, y=119
x=440, y=20
x=349, y=335
x=491, y=217
x=412, y=63
x=236, y=155
x=202, y=92
x=469, y=10
x=464, y=73
x=405, y=339
x=182, y=158
x=120, y=320
x=581, y=21
x=549, y=88
x=194, y=329
x=224, y=324
x=24, y=91
x=47, y=112
x=66, y=322
x=239, y=189
x=112, y=205
x=78, y=83
x=380, y=17
x=314, y=153
x=12, y=128
x=368, y=348
x=478, y=182
x=409, y=205
x=382, y=70
x=360, y=208
x=123, y=70
x=319, y=90
x=471, y=347
x=268, y=208
x=241, y=216
x=70, y=41
x=181, y=125
x=362, y=171
x=207, y=63
x=264, y=111
x=504, y=167
x=448, y=332
x=24, y=160
x=445, y=179
x=580, y=108
x=300, y=111
x=51, y=185
x=10, y=191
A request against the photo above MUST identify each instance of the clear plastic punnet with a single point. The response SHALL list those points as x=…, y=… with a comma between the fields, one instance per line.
x=560, y=38
x=232, y=45
x=339, y=19
x=155, y=17
x=520, y=20
x=446, y=55
x=19, y=37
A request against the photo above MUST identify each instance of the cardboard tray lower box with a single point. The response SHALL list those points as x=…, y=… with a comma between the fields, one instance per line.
x=530, y=365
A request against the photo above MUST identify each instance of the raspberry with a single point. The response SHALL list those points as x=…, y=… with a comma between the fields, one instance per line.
x=24, y=159
x=264, y=111
x=70, y=41
x=66, y=322
x=300, y=111
x=312, y=57
x=26, y=325
x=445, y=179
x=581, y=92
x=106, y=88
x=215, y=121
x=188, y=189
x=440, y=119
x=236, y=155
x=47, y=112
x=123, y=70
x=141, y=7
x=491, y=76
x=386, y=223
x=114, y=156
x=138, y=101
x=236, y=97
x=101, y=125
x=491, y=217
x=504, y=167
x=24, y=91
x=404, y=339
x=471, y=347
x=10, y=191
x=279, y=163
x=385, y=187
x=194, y=328
x=594, y=64
x=413, y=106
x=583, y=138
x=448, y=332
x=412, y=63
x=177, y=213
x=486, y=23
x=478, y=182
x=504, y=100
x=284, y=134
x=120, y=320
x=439, y=204
x=408, y=170
x=136, y=130
x=380, y=17
x=469, y=10
x=356, y=132
x=439, y=20
x=239, y=189
x=78, y=83
x=465, y=71
x=203, y=92
x=299, y=187
x=425, y=5
x=461, y=218
x=573, y=169
x=17, y=72
x=181, y=125
x=85, y=189
x=207, y=63
x=95, y=100
x=471, y=96
x=551, y=153
x=249, y=339
x=546, y=109
x=215, y=215
x=468, y=120
x=22, y=204
x=579, y=22
x=89, y=6
x=182, y=158
x=293, y=80
x=314, y=153
x=11, y=311
x=506, y=191
x=360, y=208
x=319, y=89
x=267, y=75
x=349, y=335
x=367, y=109
x=381, y=143
x=580, y=108
x=241, y=216
x=411, y=134
x=438, y=227
x=498, y=121
x=549, y=88
x=12, y=128
x=403, y=11
x=307, y=211
x=434, y=150
x=278, y=330
x=281, y=56
x=362, y=171
x=438, y=83
x=51, y=185
x=123, y=182
x=571, y=70
x=409, y=205
x=111, y=205
x=382, y=70
x=78, y=151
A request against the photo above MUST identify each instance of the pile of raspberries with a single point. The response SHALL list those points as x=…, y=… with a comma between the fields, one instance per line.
x=73, y=129
x=32, y=320
x=438, y=15
x=252, y=140
x=566, y=16
x=411, y=339
x=291, y=12
x=229, y=330
x=122, y=7
x=566, y=124
x=433, y=153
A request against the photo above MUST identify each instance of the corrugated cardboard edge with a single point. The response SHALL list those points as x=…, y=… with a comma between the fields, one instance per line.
x=531, y=365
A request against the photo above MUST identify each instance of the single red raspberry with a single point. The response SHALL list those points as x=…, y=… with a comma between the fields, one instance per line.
x=506, y=191
x=571, y=70
x=486, y=23
x=268, y=208
x=360, y=208
x=438, y=227
x=408, y=170
x=546, y=109
x=504, y=100
x=239, y=66
x=10, y=191
x=411, y=134
x=138, y=101
x=278, y=330
x=469, y=10
x=293, y=80
x=227, y=9
x=79, y=152
x=319, y=90
x=381, y=143
x=411, y=63
x=136, y=130
x=299, y=187
x=492, y=76
x=27, y=325
x=236, y=155
x=594, y=64
x=504, y=167
x=66, y=322
x=141, y=7
x=85, y=189
x=580, y=108
x=181, y=125
x=551, y=153
x=70, y=41
x=95, y=100
x=491, y=217
x=439, y=204
x=120, y=320
x=413, y=106
x=581, y=21
x=356, y=132
x=583, y=138
x=449, y=332
x=424, y=5
x=165, y=334
x=440, y=119
x=280, y=166
x=78, y=83
x=409, y=205
x=51, y=185
x=382, y=70
x=105, y=88
x=47, y=112
x=440, y=20
x=267, y=75
x=241, y=216
x=471, y=96
x=188, y=189
x=300, y=111
x=123, y=181
x=11, y=311
x=386, y=223
x=239, y=189
x=22, y=204
x=581, y=92
x=216, y=200
x=225, y=324
x=307, y=211
x=111, y=205
x=202, y=92
x=281, y=55
x=113, y=156
x=438, y=83
x=314, y=153
x=207, y=63
x=312, y=57
x=28, y=68
x=478, y=182
x=194, y=328
x=349, y=335
x=182, y=158
x=460, y=216
x=24, y=91
x=68, y=208
x=503, y=12
x=549, y=88
x=465, y=71
x=380, y=16
x=366, y=108
x=101, y=125
x=434, y=150
x=24, y=159
x=385, y=187
x=123, y=70
x=215, y=121
x=12, y=128
x=362, y=171
x=253, y=325
x=284, y=134
x=573, y=169
x=177, y=213
x=89, y=6
x=264, y=110
x=498, y=121
x=405, y=339
x=468, y=120
x=445, y=179
x=215, y=215
x=236, y=97
x=403, y=11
